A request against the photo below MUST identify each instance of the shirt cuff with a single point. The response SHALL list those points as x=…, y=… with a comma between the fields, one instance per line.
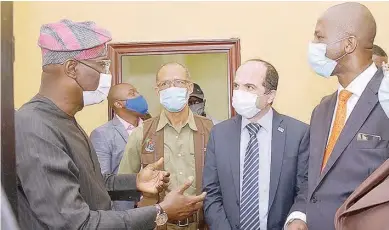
x=296, y=215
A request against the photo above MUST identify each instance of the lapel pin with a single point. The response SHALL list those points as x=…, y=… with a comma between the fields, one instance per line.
x=280, y=129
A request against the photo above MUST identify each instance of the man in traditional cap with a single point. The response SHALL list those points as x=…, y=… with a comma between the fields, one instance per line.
x=197, y=103
x=60, y=185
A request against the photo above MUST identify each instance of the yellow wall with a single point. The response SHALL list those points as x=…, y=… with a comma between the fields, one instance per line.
x=208, y=70
x=275, y=31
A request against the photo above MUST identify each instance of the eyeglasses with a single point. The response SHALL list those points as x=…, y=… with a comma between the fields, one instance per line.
x=176, y=83
x=101, y=66
x=105, y=64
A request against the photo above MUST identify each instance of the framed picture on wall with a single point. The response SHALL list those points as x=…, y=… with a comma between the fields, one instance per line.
x=211, y=65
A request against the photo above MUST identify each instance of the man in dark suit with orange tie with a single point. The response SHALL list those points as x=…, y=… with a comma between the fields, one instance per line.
x=349, y=130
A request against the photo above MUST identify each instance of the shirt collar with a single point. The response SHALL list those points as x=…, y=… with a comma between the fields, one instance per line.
x=358, y=85
x=265, y=121
x=163, y=121
x=128, y=126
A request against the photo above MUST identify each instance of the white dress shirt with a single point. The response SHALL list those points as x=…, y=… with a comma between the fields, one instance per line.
x=264, y=140
x=127, y=126
x=356, y=87
x=383, y=92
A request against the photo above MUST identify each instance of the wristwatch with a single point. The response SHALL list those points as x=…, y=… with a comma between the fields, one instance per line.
x=161, y=216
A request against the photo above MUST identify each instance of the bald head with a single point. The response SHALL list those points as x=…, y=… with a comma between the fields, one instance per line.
x=171, y=71
x=258, y=77
x=258, y=72
x=348, y=31
x=350, y=19
x=121, y=92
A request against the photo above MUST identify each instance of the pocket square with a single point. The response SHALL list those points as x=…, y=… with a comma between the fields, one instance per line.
x=367, y=137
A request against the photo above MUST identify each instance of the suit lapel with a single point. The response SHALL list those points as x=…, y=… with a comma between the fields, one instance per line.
x=358, y=116
x=120, y=128
x=234, y=147
x=277, y=154
x=321, y=129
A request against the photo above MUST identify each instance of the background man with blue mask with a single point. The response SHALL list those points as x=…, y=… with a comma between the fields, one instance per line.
x=349, y=130
x=177, y=135
x=109, y=140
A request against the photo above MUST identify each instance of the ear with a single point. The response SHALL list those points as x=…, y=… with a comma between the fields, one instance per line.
x=117, y=105
x=271, y=96
x=351, y=44
x=190, y=88
x=70, y=68
x=156, y=90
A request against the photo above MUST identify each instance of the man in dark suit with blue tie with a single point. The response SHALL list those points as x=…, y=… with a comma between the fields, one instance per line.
x=256, y=161
x=349, y=131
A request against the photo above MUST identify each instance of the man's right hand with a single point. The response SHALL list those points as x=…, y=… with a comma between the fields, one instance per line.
x=178, y=206
x=297, y=225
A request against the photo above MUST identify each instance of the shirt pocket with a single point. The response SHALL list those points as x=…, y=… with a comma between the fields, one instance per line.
x=371, y=144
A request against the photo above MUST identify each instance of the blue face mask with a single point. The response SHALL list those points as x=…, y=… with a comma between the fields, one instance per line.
x=138, y=104
x=174, y=99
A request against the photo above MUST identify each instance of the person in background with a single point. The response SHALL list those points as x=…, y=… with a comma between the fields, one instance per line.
x=60, y=185
x=109, y=140
x=177, y=135
x=349, y=130
x=197, y=103
x=256, y=161
x=379, y=56
x=146, y=116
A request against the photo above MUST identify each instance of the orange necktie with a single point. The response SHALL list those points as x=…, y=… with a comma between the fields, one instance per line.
x=340, y=119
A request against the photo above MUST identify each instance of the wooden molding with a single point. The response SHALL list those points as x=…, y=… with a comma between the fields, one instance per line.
x=229, y=46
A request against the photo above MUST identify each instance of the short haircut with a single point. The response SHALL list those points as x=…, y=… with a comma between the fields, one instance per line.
x=378, y=51
x=271, y=80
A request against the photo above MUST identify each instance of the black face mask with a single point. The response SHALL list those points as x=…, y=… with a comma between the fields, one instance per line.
x=198, y=108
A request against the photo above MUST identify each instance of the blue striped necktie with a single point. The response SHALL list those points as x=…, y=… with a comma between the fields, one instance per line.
x=249, y=203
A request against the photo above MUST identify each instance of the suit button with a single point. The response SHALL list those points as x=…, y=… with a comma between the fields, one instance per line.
x=237, y=226
x=314, y=199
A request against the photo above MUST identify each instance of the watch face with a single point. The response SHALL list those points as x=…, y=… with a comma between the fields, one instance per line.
x=161, y=219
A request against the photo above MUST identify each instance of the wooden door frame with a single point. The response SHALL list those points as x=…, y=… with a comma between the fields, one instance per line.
x=8, y=165
x=230, y=46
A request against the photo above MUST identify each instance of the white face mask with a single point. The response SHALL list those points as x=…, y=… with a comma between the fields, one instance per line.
x=245, y=103
x=174, y=99
x=101, y=93
x=318, y=60
x=383, y=92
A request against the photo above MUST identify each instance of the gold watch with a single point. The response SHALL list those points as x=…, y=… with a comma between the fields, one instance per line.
x=161, y=216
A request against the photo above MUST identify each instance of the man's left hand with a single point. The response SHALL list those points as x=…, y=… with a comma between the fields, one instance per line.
x=151, y=180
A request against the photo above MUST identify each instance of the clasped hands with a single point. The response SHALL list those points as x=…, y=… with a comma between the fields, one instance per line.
x=151, y=180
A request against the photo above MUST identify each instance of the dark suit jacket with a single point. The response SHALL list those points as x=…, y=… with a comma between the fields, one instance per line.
x=368, y=206
x=351, y=161
x=289, y=158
